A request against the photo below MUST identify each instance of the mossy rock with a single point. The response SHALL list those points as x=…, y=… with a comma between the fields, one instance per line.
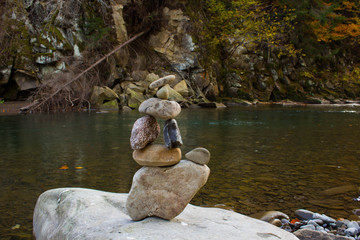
x=134, y=98
x=110, y=106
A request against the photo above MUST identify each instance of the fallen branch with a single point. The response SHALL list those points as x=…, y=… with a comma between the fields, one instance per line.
x=39, y=103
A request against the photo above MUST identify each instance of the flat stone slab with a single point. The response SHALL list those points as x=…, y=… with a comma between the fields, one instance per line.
x=78, y=213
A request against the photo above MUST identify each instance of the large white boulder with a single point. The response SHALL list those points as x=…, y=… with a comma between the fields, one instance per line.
x=77, y=213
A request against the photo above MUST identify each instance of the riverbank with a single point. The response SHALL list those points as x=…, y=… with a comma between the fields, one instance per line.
x=16, y=107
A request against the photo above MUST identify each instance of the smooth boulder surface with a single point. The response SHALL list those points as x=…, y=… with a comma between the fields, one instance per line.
x=198, y=155
x=145, y=130
x=157, y=155
x=158, y=108
x=78, y=213
x=162, y=81
x=165, y=192
x=163, y=93
x=172, y=135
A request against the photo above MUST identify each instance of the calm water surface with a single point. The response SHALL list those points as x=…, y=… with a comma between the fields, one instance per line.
x=263, y=158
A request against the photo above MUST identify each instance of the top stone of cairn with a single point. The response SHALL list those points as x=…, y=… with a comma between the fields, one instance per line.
x=159, y=108
x=162, y=81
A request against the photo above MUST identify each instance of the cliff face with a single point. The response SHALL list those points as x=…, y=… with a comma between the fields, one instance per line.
x=44, y=38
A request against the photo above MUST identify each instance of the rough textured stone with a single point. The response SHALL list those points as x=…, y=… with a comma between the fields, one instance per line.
x=100, y=94
x=172, y=136
x=163, y=93
x=145, y=130
x=306, y=234
x=198, y=155
x=158, y=108
x=165, y=192
x=162, y=81
x=175, y=96
x=181, y=87
x=157, y=155
x=78, y=213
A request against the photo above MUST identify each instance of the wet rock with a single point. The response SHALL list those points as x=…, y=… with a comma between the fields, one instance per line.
x=199, y=155
x=340, y=190
x=145, y=130
x=162, y=81
x=306, y=234
x=109, y=106
x=165, y=192
x=158, y=108
x=163, y=93
x=212, y=105
x=304, y=214
x=134, y=99
x=172, y=136
x=157, y=155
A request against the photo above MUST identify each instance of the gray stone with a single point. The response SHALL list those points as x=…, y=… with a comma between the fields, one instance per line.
x=308, y=226
x=77, y=213
x=200, y=155
x=172, y=136
x=158, y=108
x=162, y=81
x=165, y=192
x=304, y=214
x=351, y=231
x=145, y=130
x=157, y=155
x=306, y=234
x=324, y=218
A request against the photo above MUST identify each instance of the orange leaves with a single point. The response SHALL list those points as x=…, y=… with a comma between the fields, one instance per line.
x=66, y=167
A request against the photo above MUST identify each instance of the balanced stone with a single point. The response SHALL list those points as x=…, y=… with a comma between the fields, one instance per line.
x=145, y=130
x=163, y=93
x=172, y=136
x=157, y=155
x=198, y=155
x=158, y=108
x=162, y=81
x=165, y=192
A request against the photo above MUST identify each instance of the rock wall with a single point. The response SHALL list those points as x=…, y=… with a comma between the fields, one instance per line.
x=52, y=31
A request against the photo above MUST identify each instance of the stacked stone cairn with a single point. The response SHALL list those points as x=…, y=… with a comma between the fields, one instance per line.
x=165, y=184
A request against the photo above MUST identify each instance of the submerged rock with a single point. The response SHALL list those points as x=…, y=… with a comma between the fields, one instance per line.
x=78, y=213
x=165, y=192
x=157, y=155
x=145, y=130
x=158, y=108
x=172, y=136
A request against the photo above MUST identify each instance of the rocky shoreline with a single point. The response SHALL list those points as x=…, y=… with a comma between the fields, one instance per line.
x=309, y=225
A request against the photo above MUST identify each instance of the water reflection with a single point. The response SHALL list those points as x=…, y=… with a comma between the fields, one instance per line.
x=262, y=158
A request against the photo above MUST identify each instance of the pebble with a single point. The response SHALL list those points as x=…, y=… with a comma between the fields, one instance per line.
x=162, y=81
x=163, y=93
x=304, y=214
x=157, y=155
x=201, y=156
x=165, y=192
x=145, y=130
x=158, y=108
x=172, y=136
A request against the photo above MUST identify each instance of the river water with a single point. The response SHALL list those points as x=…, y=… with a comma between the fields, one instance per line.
x=262, y=158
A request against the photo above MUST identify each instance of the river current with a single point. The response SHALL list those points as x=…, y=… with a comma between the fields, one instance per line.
x=262, y=158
